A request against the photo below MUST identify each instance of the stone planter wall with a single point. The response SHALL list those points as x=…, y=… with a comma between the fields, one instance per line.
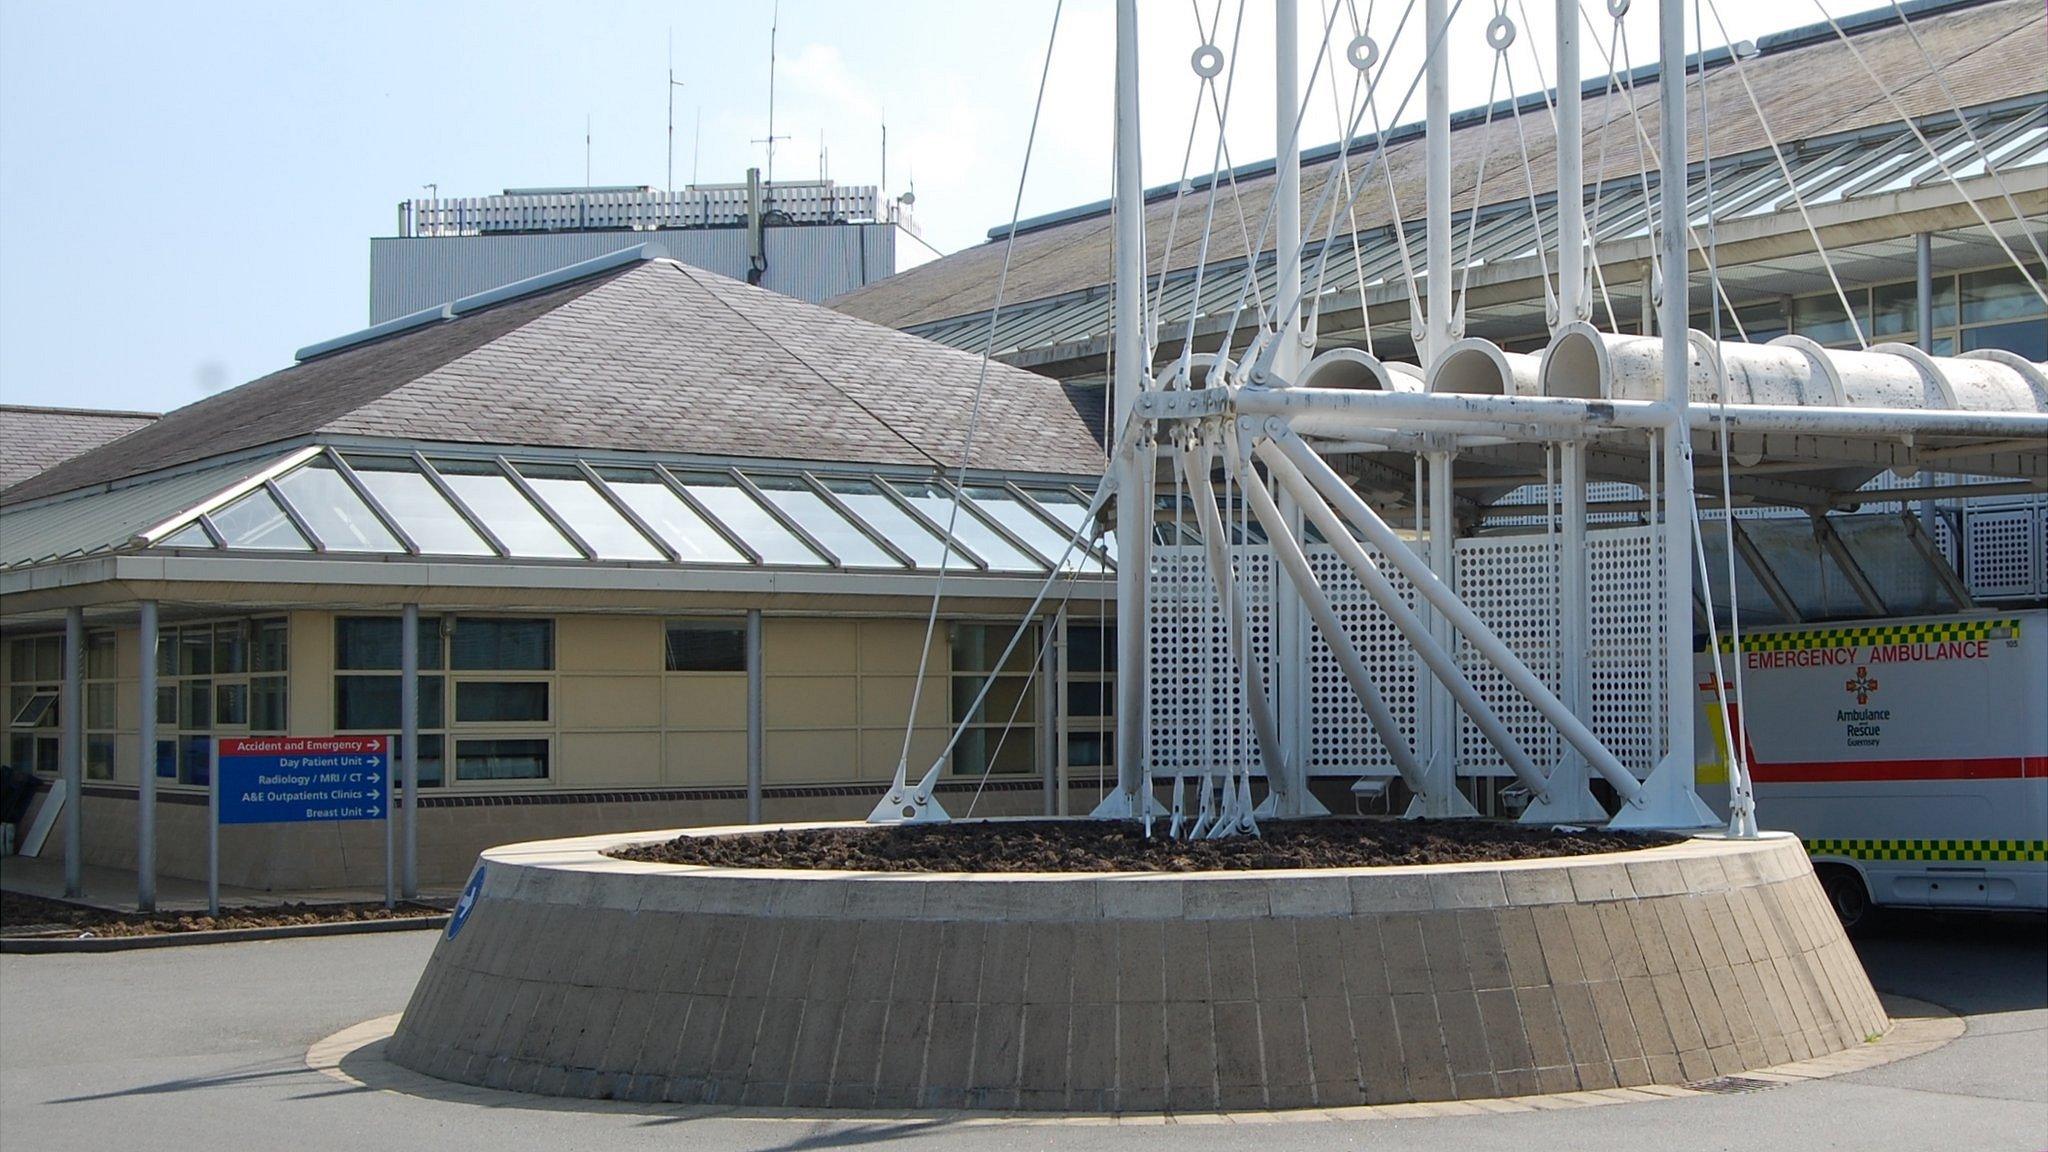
x=580, y=975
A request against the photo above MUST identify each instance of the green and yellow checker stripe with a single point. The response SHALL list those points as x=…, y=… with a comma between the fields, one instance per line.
x=2002, y=851
x=1929, y=632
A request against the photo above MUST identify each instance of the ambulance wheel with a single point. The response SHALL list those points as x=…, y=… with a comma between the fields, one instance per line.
x=1849, y=898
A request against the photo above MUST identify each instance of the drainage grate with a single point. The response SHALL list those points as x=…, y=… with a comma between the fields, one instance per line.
x=1729, y=1085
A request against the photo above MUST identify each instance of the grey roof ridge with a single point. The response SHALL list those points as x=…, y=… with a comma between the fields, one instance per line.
x=61, y=410
x=827, y=381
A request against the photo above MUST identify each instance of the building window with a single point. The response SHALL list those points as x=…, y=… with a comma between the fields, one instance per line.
x=464, y=692
x=1001, y=735
x=224, y=676
x=1090, y=698
x=34, y=704
x=707, y=646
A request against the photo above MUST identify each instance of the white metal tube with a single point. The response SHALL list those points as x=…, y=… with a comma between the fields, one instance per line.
x=409, y=736
x=1133, y=506
x=1341, y=413
x=1442, y=748
x=1291, y=704
x=1571, y=201
x=71, y=750
x=145, y=796
x=1304, y=462
x=1416, y=630
x=1216, y=543
x=1569, y=800
x=1288, y=550
x=1437, y=190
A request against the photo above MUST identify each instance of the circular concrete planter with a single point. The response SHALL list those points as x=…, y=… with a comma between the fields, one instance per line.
x=576, y=974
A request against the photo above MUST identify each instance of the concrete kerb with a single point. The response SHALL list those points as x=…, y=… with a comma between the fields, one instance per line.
x=58, y=944
x=355, y=1056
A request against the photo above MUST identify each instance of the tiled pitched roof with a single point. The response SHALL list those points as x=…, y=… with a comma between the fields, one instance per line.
x=33, y=438
x=1810, y=88
x=652, y=357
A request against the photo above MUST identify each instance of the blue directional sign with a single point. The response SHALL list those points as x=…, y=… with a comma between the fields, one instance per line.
x=471, y=893
x=294, y=779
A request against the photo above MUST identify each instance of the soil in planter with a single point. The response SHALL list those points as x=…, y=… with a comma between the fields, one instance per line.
x=1107, y=846
x=22, y=915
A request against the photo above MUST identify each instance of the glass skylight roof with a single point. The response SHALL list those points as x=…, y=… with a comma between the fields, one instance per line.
x=478, y=506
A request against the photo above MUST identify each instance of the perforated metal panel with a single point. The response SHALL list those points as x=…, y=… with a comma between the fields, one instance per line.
x=2002, y=552
x=1195, y=701
x=1343, y=742
x=1625, y=577
x=1511, y=582
x=1196, y=719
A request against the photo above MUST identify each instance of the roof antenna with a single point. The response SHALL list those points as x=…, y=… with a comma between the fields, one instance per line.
x=673, y=84
x=696, y=145
x=586, y=151
x=774, y=22
x=885, y=153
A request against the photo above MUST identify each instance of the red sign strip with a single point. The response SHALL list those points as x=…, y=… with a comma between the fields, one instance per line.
x=1841, y=771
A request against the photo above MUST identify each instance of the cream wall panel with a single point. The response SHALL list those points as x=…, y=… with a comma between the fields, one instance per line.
x=705, y=758
x=608, y=702
x=804, y=645
x=879, y=749
x=127, y=653
x=585, y=759
x=808, y=702
x=892, y=645
x=309, y=683
x=885, y=700
x=608, y=644
x=810, y=757
x=705, y=700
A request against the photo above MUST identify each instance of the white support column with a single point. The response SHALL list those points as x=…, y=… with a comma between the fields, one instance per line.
x=71, y=750
x=1133, y=506
x=409, y=737
x=145, y=795
x=1440, y=754
x=1048, y=711
x=1437, y=334
x=1292, y=704
x=1573, y=302
x=1668, y=798
x=756, y=762
x=1923, y=312
x=1569, y=801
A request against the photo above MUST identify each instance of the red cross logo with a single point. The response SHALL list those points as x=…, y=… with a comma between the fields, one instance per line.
x=1862, y=684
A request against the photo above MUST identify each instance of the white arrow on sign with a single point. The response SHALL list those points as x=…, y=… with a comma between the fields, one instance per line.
x=373, y=809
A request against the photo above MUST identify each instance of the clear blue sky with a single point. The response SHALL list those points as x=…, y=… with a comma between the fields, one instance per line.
x=187, y=191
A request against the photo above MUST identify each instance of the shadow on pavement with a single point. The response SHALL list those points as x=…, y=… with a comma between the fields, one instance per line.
x=1969, y=964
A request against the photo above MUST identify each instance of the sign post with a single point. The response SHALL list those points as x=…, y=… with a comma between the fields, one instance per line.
x=297, y=780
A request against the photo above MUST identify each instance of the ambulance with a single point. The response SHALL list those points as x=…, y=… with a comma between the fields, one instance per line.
x=1911, y=755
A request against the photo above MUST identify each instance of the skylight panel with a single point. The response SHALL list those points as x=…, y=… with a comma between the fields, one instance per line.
x=418, y=506
x=510, y=516
x=889, y=519
x=797, y=500
x=694, y=540
x=969, y=529
x=333, y=510
x=586, y=510
x=735, y=508
x=256, y=522
x=1026, y=525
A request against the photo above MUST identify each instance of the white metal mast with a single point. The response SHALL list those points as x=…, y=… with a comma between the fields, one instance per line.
x=1293, y=346
x=1567, y=799
x=1668, y=799
x=1132, y=472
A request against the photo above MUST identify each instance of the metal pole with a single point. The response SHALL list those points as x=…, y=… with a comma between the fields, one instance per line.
x=1923, y=317
x=71, y=750
x=1048, y=684
x=1437, y=199
x=1288, y=791
x=145, y=796
x=213, y=826
x=1572, y=302
x=1133, y=512
x=1568, y=800
x=409, y=738
x=755, y=763
x=1668, y=798
x=1441, y=756
x=390, y=873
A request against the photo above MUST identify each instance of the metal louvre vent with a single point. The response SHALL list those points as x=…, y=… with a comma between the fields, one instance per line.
x=2002, y=552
